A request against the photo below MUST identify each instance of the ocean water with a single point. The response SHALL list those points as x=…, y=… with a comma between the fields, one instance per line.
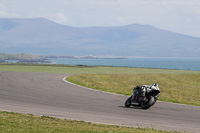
x=180, y=64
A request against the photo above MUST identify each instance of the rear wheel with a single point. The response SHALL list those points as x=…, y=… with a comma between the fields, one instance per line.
x=151, y=102
x=128, y=102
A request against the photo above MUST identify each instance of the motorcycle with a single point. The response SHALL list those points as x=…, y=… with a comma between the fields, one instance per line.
x=144, y=96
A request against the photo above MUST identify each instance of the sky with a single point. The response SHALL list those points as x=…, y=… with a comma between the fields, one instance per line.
x=180, y=16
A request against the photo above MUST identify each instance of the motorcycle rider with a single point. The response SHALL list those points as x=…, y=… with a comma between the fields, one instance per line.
x=141, y=90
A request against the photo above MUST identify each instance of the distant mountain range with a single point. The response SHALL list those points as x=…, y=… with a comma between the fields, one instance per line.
x=42, y=36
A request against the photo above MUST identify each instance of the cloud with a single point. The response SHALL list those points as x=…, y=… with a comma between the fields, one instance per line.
x=60, y=18
x=178, y=2
x=2, y=7
x=5, y=13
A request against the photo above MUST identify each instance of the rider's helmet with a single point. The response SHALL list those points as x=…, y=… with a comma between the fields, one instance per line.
x=154, y=84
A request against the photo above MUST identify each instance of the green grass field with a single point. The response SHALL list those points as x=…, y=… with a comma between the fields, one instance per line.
x=87, y=69
x=175, y=85
x=177, y=88
x=21, y=123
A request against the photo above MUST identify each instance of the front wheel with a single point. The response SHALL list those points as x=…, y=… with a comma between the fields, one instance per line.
x=128, y=102
x=151, y=102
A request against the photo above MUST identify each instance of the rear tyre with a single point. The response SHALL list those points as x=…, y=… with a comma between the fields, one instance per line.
x=151, y=102
x=128, y=102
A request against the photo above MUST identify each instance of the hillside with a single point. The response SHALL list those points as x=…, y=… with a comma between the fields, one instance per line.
x=42, y=36
x=5, y=56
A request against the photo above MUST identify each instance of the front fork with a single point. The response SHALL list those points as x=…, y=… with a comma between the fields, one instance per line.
x=156, y=97
x=135, y=95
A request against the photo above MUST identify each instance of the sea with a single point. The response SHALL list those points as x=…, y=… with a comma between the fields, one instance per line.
x=163, y=63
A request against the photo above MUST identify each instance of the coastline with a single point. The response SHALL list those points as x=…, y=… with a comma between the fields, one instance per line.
x=139, y=62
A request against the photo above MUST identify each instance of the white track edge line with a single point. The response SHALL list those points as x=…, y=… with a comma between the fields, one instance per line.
x=64, y=79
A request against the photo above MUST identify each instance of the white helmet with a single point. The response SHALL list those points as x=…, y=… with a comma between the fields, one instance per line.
x=155, y=84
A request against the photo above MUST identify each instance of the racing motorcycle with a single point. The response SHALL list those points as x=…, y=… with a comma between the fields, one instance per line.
x=144, y=96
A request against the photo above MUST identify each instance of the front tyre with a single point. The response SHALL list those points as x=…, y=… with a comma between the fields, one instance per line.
x=151, y=102
x=128, y=102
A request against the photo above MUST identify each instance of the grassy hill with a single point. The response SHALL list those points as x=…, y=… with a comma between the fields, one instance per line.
x=5, y=56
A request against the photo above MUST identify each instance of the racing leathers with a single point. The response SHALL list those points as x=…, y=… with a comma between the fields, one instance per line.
x=140, y=91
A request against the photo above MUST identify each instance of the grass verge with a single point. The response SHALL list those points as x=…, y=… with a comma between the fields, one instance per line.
x=177, y=88
x=48, y=68
x=21, y=123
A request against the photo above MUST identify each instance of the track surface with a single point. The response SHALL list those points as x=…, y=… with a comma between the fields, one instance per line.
x=47, y=94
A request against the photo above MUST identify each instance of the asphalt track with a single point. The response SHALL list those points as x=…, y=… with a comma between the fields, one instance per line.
x=47, y=94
